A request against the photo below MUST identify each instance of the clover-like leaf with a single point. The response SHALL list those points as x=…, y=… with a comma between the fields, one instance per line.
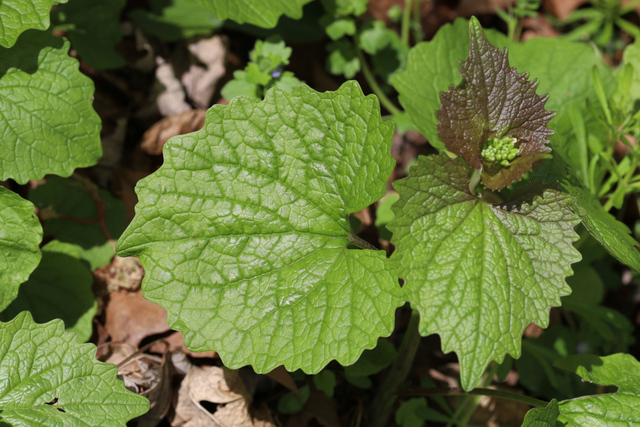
x=479, y=274
x=59, y=288
x=48, y=123
x=614, y=409
x=17, y=16
x=49, y=379
x=244, y=232
x=494, y=118
x=542, y=417
x=20, y=236
x=262, y=14
x=342, y=59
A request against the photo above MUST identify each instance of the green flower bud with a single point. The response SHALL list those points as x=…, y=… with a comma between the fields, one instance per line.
x=500, y=150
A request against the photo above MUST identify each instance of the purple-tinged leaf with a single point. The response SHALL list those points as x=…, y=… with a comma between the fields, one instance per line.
x=491, y=106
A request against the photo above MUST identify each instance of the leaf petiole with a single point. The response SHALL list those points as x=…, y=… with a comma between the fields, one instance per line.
x=475, y=180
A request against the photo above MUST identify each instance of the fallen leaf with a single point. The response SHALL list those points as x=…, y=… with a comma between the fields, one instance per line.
x=133, y=371
x=160, y=395
x=283, y=377
x=189, y=121
x=220, y=386
x=175, y=344
x=130, y=318
x=122, y=273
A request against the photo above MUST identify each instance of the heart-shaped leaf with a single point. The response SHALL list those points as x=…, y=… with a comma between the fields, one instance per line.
x=479, y=274
x=613, y=409
x=48, y=379
x=244, y=231
x=48, y=123
x=20, y=236
x=17, y=16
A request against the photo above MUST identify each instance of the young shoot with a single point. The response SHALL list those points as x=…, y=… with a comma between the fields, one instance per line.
x=500, y=151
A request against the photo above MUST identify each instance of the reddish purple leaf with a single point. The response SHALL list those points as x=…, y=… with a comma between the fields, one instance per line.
x=494, y=102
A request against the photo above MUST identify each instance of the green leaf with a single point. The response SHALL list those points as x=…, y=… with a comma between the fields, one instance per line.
x=20, y=236
x=568, y=91
x=262, y=14
x=71, y=211
x=493, y=118
x=325, y=381
x=610, y=324
x=59, y=288
x=374, y=37
x=631, y=56
x=393, y=57
x=542, y=417
x=338, y=28
x=304, y=30
x=345, y=7
x=342, y=59
x=474, y=270
x=51, y=380
x=621, y=408
x=384, y=214
x=94, y=30
x=240, y=86
x=290, y=403
x=255, y=75
x=431, y=68
x=373, y=361
x=535, y=368
x=243, y=232
x=49, y=125
x=586, y=285
x=542, y=58
x=17, y=16
x=408, y=414
x=360, y=382
x=173, y=20
x=612, y=234
x=287, y=81
x=270, y=54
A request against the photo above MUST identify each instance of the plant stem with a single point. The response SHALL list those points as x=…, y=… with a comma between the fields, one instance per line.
x=418, y=35
x=375, y=87
x=406, y=22
x=387, y=394
x=361, y=243
x=457, y=391
x=475, y=180
x=473, y=404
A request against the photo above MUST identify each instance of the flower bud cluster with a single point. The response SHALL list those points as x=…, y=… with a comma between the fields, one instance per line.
x=500, y=150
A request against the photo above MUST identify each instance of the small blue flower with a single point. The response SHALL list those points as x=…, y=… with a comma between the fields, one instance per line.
x=583, y=347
